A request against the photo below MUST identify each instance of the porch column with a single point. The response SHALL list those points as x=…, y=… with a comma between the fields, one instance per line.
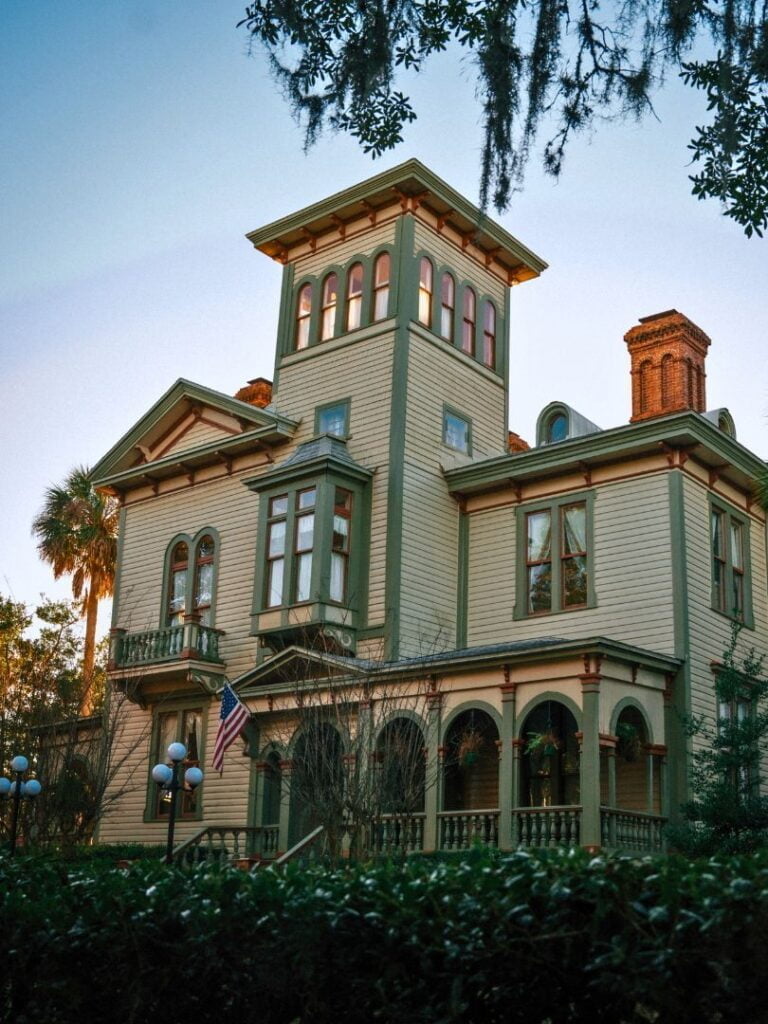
x=590, y=753
x=283, y=836
x=190, y=636
x=657, y=756
x=256, y=814
x=507, y=762
x=609, y=749
x=434, y=771
x=518, y=749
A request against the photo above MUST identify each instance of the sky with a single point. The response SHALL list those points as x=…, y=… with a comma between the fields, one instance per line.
x=139, y=142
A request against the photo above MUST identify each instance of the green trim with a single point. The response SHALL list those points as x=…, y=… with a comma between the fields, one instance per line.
x=472, y=705
x=417, y=177
x=192, y=542
x=679, y=429
x=264, y=421
x=504, y=364
x=553, y=506
x=678, y=743
x=634, y=703
x=716, y=503
x=346, y=403
x=284, y=324
x=525, y=708
x=462, y=581
x=118, y=565
x=450, y=410
x=407, y=285
x=288, y=474
x=155, y=756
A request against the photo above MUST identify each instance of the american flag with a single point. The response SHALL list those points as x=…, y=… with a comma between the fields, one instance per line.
x=233, y=717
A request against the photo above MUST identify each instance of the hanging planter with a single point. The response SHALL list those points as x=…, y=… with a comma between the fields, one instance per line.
x=542, y=744
x=469, y=747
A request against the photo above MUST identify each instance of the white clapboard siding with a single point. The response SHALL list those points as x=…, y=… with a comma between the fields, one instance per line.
x=343, y=251
x=633, y=574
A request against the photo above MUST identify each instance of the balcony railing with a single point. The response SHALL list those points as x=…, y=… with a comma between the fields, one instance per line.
x=168, y=644
x=632, y=830
x=538, y=827
x=459, y=830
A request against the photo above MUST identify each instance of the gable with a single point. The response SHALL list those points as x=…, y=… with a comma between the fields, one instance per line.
x=193, y=428
x=299, y=665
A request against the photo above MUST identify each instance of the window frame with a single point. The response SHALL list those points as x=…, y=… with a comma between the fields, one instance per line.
x=157, y=756
x=730, y=516
x=557, y=557
x=300, y=319
x=357, y=297
x=328, y=310
x=468, y=325
x=346, y=404
x=375, y=288
x=193, y=544
x=449, y=410
x=425, y=295
x=447, y=308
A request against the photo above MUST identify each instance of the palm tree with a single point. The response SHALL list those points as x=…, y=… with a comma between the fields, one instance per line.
x=76, y=531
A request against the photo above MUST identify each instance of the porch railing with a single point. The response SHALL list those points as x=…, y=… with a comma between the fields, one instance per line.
x=167, y=644
x=632, y=830
x=545, y=826
x=229, y=843
x=398, y=833
x=459, y=830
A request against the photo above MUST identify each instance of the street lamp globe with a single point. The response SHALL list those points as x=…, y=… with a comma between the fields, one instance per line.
x=162, y=774
x=19, y=763
x=193, y=777
x=32, y=788
x=177, y=752
x=5, y=786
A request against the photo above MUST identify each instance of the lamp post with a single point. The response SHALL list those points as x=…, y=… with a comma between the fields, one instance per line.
x=16, y=790
x=167, y=778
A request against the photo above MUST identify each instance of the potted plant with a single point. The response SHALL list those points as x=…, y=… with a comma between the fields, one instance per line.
x=629, y=745
x=469, y=747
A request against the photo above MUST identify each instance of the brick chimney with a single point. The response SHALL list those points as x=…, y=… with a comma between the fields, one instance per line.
x=668, y=353
x=257, y=392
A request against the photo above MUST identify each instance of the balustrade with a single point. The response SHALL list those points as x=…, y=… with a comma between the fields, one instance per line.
x=631, y=830
x=399, y=834
x=545, y=826
x=229, y=843
x=459, y=830
x=153, y=645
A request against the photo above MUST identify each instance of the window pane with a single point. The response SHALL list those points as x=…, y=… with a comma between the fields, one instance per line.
x=354, y=296
x=305, y=530
x=330, y=286
x=381, y=274
x=574, y=580
x=342, y=500
x=557, y=429
x=539, y=536
x=425, y=292
x=306, y=499
x=355, y=280
x=328, y=322
x=381, y=303
x=736, y=546
x=276, y=539
x=205, y=548
x=540, y=588
x=354, y=312
x=717, y=533
x=456, y=432
x=275, y=583
x=191, y=735
x=574, y=529
x=278, y=506
x=425, y=274
x=303, y=316
x=737, y=603
x=333, y=421
x=303, y=576
x=178, y=591
x=204, y=588
x=340, y=533
x=381, y=287
x=338, y=572
x=179, y=553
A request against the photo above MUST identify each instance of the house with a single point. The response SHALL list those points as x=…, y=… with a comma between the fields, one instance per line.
x=545, y=613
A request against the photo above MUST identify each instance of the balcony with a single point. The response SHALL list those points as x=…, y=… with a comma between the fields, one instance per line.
x=190, y=641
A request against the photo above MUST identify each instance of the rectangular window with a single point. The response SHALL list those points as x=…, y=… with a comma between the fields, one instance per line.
x=305, y=542
x=730, y=545
x=457, y=431
x=278, y=513
x=184, y=727
x=333, y=419
x=342, y=514
x=555, y=557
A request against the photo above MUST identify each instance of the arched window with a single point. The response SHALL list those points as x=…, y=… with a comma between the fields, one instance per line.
x=471, y=773
x=328, y=311
x=204, y=569
x=354, y=296
x=643, y=386
x=550, y=762
x=468, y=322
x=489, y=335
x=447, y=306
x=557, y=428
x=177, y=585
x=381, y=286
x=425, y=292
x=303, y=315
x=666, y=381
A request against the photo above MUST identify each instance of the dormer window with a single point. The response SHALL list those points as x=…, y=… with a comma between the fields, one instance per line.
x=354, y=296
x=425, y=292
x=381, y=286
x=489, y=335
x=447, y=305
x=303, y=316
x=557, y=428
x=328, y=310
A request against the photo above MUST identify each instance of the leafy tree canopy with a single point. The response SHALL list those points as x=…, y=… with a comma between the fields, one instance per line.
x=563, y=62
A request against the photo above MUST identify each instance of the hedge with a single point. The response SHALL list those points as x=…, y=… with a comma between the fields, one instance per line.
x=551, y=937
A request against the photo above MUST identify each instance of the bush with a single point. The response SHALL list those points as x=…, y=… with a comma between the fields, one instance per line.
x=552, y=937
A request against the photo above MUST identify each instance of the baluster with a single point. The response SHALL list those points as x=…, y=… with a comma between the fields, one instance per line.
x=236, y=845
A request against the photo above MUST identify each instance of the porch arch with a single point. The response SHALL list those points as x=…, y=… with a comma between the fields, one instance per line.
x=550, y=757
x=471, y=759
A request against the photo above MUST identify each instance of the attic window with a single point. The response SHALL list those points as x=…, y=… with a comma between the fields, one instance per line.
x=557, y=428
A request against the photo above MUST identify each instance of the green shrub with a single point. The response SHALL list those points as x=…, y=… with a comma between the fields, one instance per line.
x=552, y=937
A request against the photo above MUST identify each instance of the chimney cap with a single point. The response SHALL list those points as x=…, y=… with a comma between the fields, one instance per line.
x=658, y=316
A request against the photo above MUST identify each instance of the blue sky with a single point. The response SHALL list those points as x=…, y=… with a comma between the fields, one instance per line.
x=139, y=143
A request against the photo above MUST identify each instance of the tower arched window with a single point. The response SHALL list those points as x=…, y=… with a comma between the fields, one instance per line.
x=643, y=386
x=328, y=310
x=447, y=306
x=489, y=334
x=425, y=291
x=303, y=316
x=204, y=570
x=469, y=314
x=666, y=381
x=177, y=585
x=354, y=296
x=381, y=273
x=690, y=385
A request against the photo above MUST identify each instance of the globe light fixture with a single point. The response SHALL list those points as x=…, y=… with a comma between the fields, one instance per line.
x=167, y=778
x=17, y=790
